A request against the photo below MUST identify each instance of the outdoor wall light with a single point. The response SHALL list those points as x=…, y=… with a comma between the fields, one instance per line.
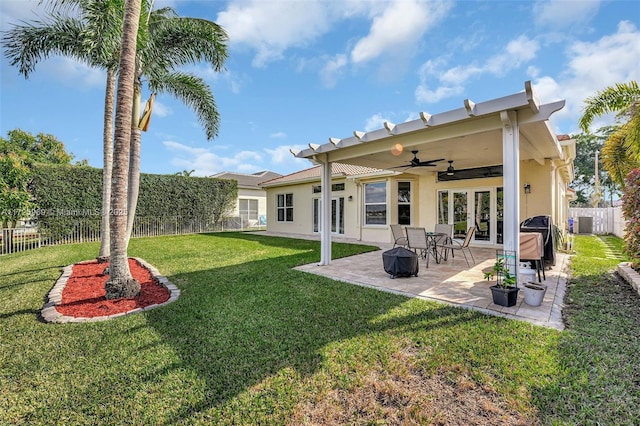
x=527, y=188
x=350, y=198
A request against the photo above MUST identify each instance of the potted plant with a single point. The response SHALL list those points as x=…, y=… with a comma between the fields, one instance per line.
x=505, y=291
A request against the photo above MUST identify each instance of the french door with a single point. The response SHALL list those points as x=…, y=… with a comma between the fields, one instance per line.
x=479, y=207
x=337, y=215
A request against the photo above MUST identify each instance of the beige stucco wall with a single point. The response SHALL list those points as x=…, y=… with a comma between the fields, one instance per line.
x=253, y=194
x=547, y=197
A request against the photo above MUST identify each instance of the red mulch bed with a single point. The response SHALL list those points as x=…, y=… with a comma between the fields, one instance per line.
x=84, y=295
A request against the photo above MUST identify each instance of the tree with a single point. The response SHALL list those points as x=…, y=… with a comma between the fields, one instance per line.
x=171, y=42
x=623, y=99
x=185, y=173
x=587, y=145
x=17, y=154
x=224, y=201
x=120, y=283
x=92, y=36
x=165, y=42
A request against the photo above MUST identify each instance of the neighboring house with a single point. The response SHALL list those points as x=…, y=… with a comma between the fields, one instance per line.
x=489, y=165
x=251, y=206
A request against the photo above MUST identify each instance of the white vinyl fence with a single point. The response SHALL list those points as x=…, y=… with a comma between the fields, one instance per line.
x=20, y=239
x=605, y=220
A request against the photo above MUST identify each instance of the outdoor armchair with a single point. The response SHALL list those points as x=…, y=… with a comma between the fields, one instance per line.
x=455, y=245
x=418, y=242
x=399, y=238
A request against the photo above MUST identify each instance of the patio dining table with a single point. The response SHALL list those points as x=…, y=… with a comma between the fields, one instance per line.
x=432, y=240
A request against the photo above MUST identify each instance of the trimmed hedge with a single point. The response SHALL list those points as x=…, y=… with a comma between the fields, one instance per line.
x=67, y=195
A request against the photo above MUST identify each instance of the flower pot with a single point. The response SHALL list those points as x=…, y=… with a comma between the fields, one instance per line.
x=504, y=296
x=534, y=293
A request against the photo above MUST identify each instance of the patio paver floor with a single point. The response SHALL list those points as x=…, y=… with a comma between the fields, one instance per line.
x=453, y=283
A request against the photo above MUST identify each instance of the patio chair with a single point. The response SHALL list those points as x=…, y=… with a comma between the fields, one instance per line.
x=399, y=238
x=447, y=230
x=458, y=246
x=417, y=239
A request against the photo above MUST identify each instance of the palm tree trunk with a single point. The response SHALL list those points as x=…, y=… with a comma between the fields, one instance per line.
x=120, y=283
x=134, y=161
x=107, y=138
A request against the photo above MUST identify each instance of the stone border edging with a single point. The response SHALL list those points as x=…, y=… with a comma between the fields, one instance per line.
x=630, y=275
x=51, y=315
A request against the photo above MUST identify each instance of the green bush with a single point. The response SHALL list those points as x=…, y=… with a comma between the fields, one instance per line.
x=67, y=197
x=631, y=211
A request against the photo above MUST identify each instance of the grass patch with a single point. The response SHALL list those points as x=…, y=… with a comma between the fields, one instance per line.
x=251, y=341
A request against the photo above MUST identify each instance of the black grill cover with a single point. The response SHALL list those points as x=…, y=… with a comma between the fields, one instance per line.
x=400, y=262
x=543, y=225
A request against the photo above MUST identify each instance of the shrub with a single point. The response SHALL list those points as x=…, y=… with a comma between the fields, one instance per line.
x=631, y=211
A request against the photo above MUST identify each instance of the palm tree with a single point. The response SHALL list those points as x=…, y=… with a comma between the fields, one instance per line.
x=622, y=149
x=120, y=283
x=92, y=37
x=165, y=41
x=171, y=42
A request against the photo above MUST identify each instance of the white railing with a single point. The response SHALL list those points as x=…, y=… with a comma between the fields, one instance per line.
x=20, y=239
x=605, y=220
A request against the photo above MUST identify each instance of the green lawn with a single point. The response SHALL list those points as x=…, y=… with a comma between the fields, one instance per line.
x=251, y=341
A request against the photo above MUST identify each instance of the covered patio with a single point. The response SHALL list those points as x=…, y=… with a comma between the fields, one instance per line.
x=452, y=282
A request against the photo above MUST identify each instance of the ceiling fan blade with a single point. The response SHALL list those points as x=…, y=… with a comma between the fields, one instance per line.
x=429, y=162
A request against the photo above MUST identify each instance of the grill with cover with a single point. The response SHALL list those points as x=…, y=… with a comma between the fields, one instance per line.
x=400, y=262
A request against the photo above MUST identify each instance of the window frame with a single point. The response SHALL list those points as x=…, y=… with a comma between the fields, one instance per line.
x=366, y=203
x=284, y=209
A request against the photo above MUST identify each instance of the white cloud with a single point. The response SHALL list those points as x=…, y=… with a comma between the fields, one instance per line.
x=260, y=25
x=332, y=69
x=73, y=73
x=375, y=122
x=450, y=82
x=397, y=29
x=559, y=14
x=591, y=67
x=205, y=162
x=282, y=155
x=160, y=109
x=278, y=135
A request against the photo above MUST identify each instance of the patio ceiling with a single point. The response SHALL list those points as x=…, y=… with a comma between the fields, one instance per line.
x=471, y=136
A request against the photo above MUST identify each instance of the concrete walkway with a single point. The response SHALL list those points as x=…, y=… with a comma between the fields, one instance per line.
x=451, y=282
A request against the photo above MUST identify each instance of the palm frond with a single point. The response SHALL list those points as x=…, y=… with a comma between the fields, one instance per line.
x=193, y=92
x=618, y=98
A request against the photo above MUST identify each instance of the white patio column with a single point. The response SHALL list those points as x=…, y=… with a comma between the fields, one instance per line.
x=511, y=183
x=325, y=214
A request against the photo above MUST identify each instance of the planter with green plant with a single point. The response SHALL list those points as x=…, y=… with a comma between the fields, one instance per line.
x=505, y=291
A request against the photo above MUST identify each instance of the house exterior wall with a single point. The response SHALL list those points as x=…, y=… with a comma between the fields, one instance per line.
x=253, y=194
x=547, y=197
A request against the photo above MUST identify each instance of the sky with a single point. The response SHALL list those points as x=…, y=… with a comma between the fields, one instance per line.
x=303, y=71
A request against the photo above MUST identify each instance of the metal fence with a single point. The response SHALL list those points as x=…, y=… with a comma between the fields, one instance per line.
x=14, y=240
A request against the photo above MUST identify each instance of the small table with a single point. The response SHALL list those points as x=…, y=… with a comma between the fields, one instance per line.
x=432, y=240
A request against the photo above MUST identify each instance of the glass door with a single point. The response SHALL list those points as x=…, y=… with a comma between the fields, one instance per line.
x=482, y=215
x=481, y=207
x=337, y=215
x=460, y=212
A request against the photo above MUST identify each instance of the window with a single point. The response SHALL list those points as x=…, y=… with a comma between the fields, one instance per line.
x=404, y=203
x=375, y=203
x=248, y=209
x=316, y=189
x=284, y=207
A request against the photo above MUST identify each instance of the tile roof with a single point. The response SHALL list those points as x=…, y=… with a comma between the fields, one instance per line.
x=252, y=181
x=313, y=173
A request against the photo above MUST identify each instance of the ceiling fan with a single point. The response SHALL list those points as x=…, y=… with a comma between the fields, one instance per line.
x=415, y=162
